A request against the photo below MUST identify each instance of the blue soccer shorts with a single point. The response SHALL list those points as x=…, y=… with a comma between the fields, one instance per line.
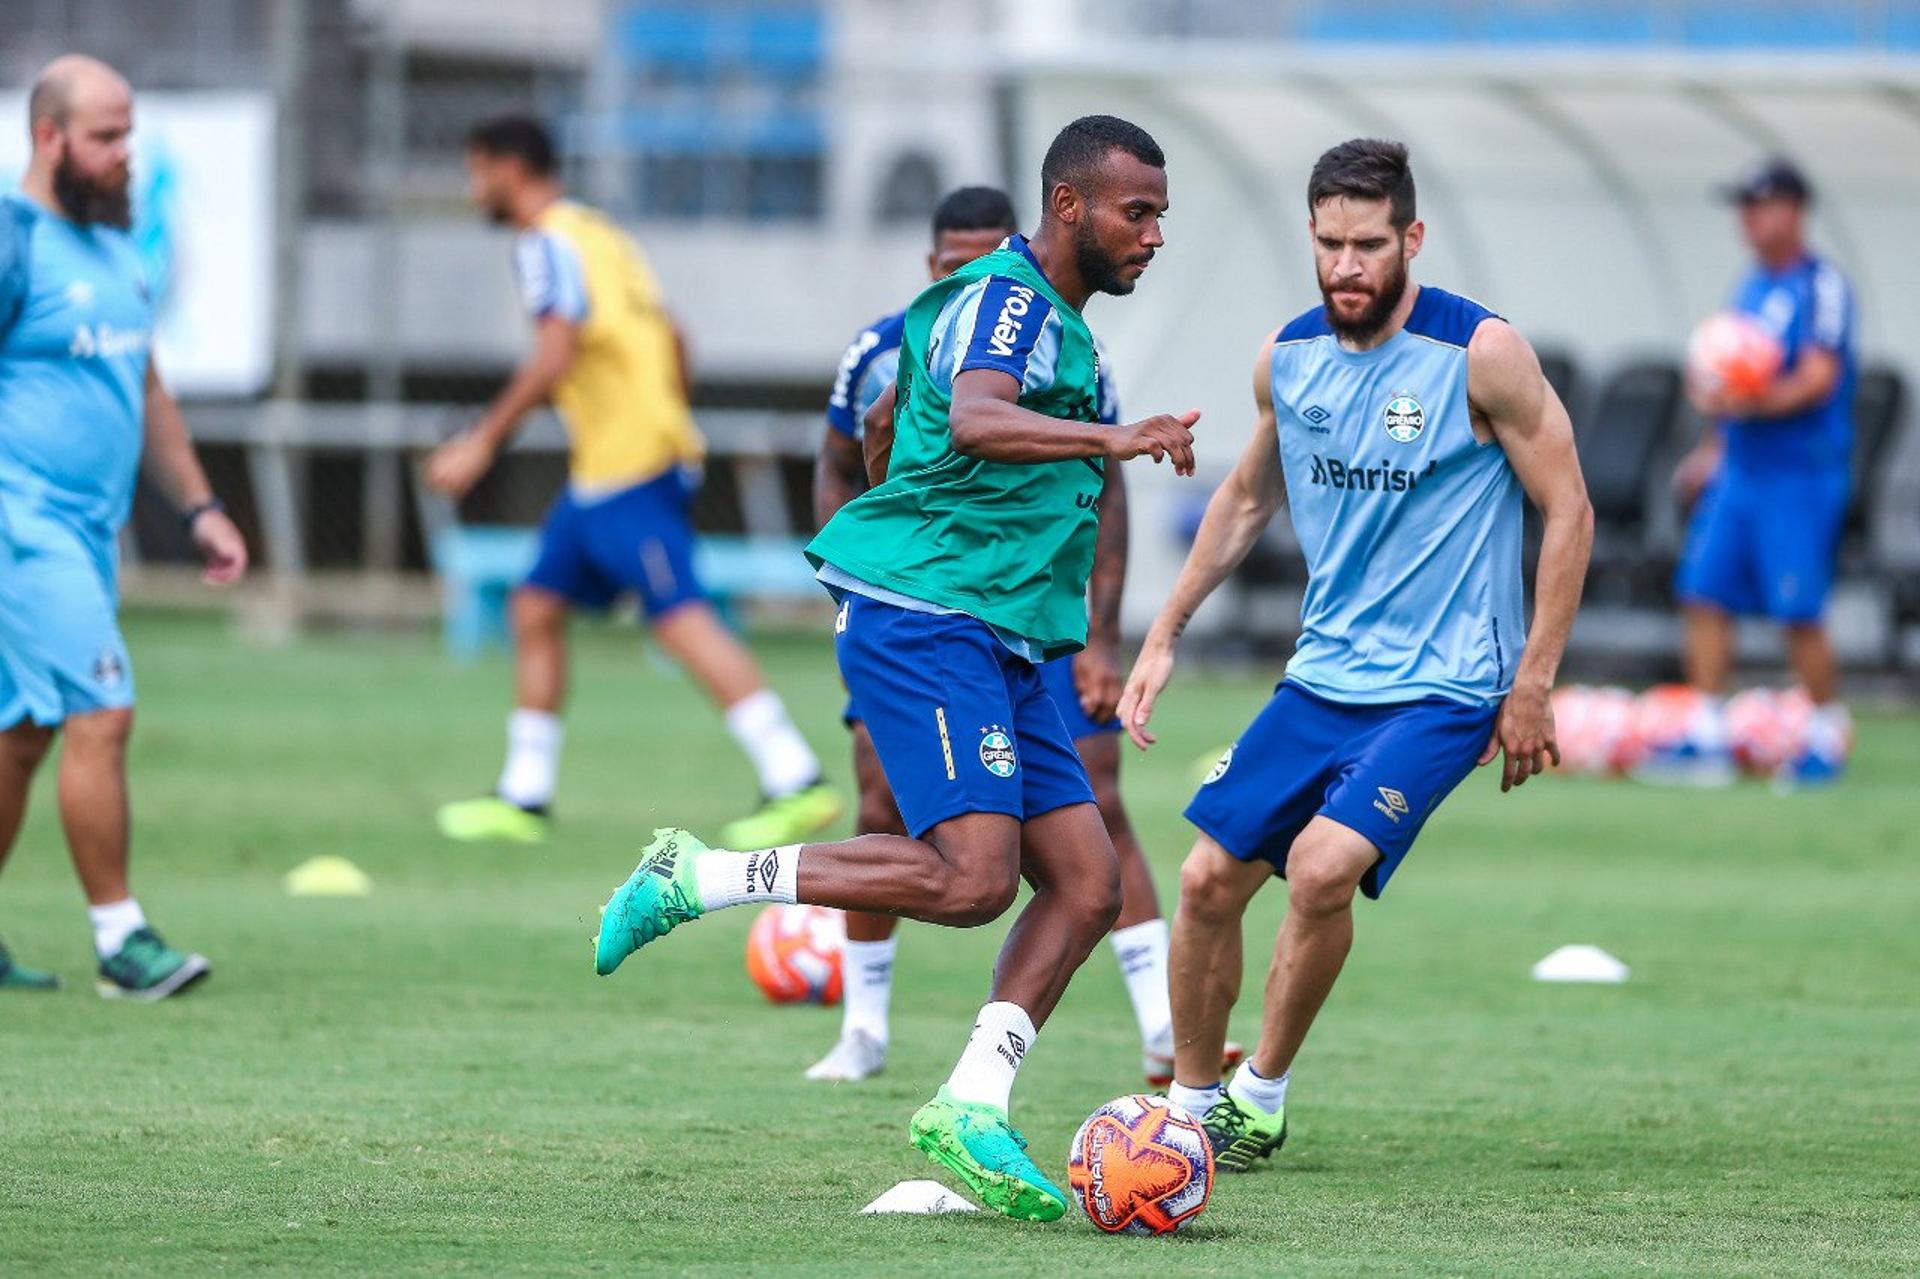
x=61, y=652
x=1057, y=676
x=1378, y=770
x=639, y=539
x=961, y=723
x=1765, y=547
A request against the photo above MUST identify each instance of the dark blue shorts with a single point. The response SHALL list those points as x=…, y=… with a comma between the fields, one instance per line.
x=1377, y=770
x=1057, y=676
x=1765, y=547
x=638, y=539
x=960, y=723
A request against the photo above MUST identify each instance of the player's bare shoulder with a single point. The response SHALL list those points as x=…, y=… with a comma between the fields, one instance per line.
x=1505, y=386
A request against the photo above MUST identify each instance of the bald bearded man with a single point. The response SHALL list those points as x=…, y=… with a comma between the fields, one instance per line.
x=81, y=406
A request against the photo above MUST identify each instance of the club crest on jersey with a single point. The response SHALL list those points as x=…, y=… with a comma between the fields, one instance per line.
x=1404, y=418
x=996, y=752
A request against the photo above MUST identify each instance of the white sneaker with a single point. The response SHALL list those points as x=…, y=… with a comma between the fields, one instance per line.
x=858, y=1055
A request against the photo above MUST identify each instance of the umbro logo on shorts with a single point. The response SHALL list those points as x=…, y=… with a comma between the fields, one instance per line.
x=1393, y=804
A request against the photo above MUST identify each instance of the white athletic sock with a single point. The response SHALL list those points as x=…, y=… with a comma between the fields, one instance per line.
x=113, y=923
x=1195, y=1101
x=734, y=879
x=1251, y=1088
x=780, y=755
x=1830, y=731
x=1708, y=731
x=1142, y=952
x=1001, y=1038
x=533, y=758
x=867, y=968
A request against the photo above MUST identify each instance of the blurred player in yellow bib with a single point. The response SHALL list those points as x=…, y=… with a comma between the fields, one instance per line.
x=609, y=358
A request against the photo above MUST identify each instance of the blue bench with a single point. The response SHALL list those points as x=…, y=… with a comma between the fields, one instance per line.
x=480, y=564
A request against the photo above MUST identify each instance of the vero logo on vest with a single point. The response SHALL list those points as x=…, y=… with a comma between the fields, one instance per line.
x=1006, y=326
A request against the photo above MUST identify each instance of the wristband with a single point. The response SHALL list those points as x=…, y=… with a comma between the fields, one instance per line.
x=195, y=512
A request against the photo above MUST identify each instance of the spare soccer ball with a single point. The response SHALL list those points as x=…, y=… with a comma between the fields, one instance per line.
x=794, y=954
x=1665, y=715
x=1768, y=729
x=1732, y=351
x=1140, y=1167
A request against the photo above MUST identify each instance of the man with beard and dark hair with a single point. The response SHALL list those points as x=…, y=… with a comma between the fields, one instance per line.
x=608, y=355
x=80, y=403
x=1402, y=424
x=958, y=574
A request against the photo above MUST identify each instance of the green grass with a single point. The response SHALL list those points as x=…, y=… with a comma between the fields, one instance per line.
x=432, y=1078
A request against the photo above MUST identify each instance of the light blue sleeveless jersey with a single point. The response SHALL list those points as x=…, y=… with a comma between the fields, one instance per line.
x=76, y=323
x=1411, y=527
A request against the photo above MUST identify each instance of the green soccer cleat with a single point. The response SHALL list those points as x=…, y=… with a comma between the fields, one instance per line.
x=492, y=819
x=977, y=1144
x=1241, y=1135
x=15, y=977
x=146, y=969
x=660, y=895
x=786, y=820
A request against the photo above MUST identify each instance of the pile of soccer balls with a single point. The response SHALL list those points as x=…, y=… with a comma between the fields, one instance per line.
x=1610, y=731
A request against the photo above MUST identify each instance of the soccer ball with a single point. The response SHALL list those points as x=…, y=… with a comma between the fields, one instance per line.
x=1665, y=716
x=1597, y=729
x=1767, y=728
x=794, y=954
x=1732, y=351
x=1140, y=1167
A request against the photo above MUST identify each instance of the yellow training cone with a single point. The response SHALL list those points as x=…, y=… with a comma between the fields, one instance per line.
x=328, y=876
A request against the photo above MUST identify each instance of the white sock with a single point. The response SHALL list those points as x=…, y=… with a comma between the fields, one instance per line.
x=1709, y=729
x=533, y=758
x=1002, y=1036
x=1253, y=1089
x=1142, y=952
x=1830, y=731
x=780, y=755
x=113, y=923
x=868, y=979
x=1195, y=1101
x=734, y=879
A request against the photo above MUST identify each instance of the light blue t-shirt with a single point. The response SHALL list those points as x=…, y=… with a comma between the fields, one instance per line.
x=76, y=326
x=1410, y=525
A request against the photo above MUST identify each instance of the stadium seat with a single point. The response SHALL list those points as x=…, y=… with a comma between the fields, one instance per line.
x=1878, y=409
x=480, y=564
x=1619, y=441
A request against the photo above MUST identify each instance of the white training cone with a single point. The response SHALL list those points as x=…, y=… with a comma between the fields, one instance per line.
x=920, y=1197
x=328, y=876
x=1580, y=963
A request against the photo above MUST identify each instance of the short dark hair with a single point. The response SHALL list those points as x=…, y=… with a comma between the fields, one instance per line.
x=1366, y=169
x=974, y=209
x=1082, y=145
x=519, y=136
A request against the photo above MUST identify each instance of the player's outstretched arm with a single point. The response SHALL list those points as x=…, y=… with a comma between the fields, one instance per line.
x=456, y=466
x=1237, y=514
x=1507, y=392
x=175, y=469
x=986, y=421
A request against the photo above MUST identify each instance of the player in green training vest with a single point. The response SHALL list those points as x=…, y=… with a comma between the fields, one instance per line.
x=965, y=566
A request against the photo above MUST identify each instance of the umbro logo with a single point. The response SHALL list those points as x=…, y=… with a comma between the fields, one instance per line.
x=1393, y=804
x=1315, y=414
x=1014, y=1049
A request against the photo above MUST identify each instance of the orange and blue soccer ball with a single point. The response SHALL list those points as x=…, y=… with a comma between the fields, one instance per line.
x=1140, y=1167
x=794, y=954
x=1733, y=351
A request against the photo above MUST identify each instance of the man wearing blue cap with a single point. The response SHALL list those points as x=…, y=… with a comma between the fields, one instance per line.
x=1768, y=483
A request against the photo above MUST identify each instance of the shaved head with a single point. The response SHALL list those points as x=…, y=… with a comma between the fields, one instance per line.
x=80, y=115
x=71, y=80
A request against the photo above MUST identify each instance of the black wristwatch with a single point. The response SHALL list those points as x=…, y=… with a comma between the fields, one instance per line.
x=195, y=512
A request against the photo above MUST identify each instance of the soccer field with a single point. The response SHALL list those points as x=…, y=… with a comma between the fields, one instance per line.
x=432, y=1077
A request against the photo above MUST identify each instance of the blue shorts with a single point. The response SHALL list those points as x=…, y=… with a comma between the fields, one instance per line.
x=61, y=652
x=639, y=539
x=1378, y=770
x=1057, y=676
x=1765, y=547
x=960, y=723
